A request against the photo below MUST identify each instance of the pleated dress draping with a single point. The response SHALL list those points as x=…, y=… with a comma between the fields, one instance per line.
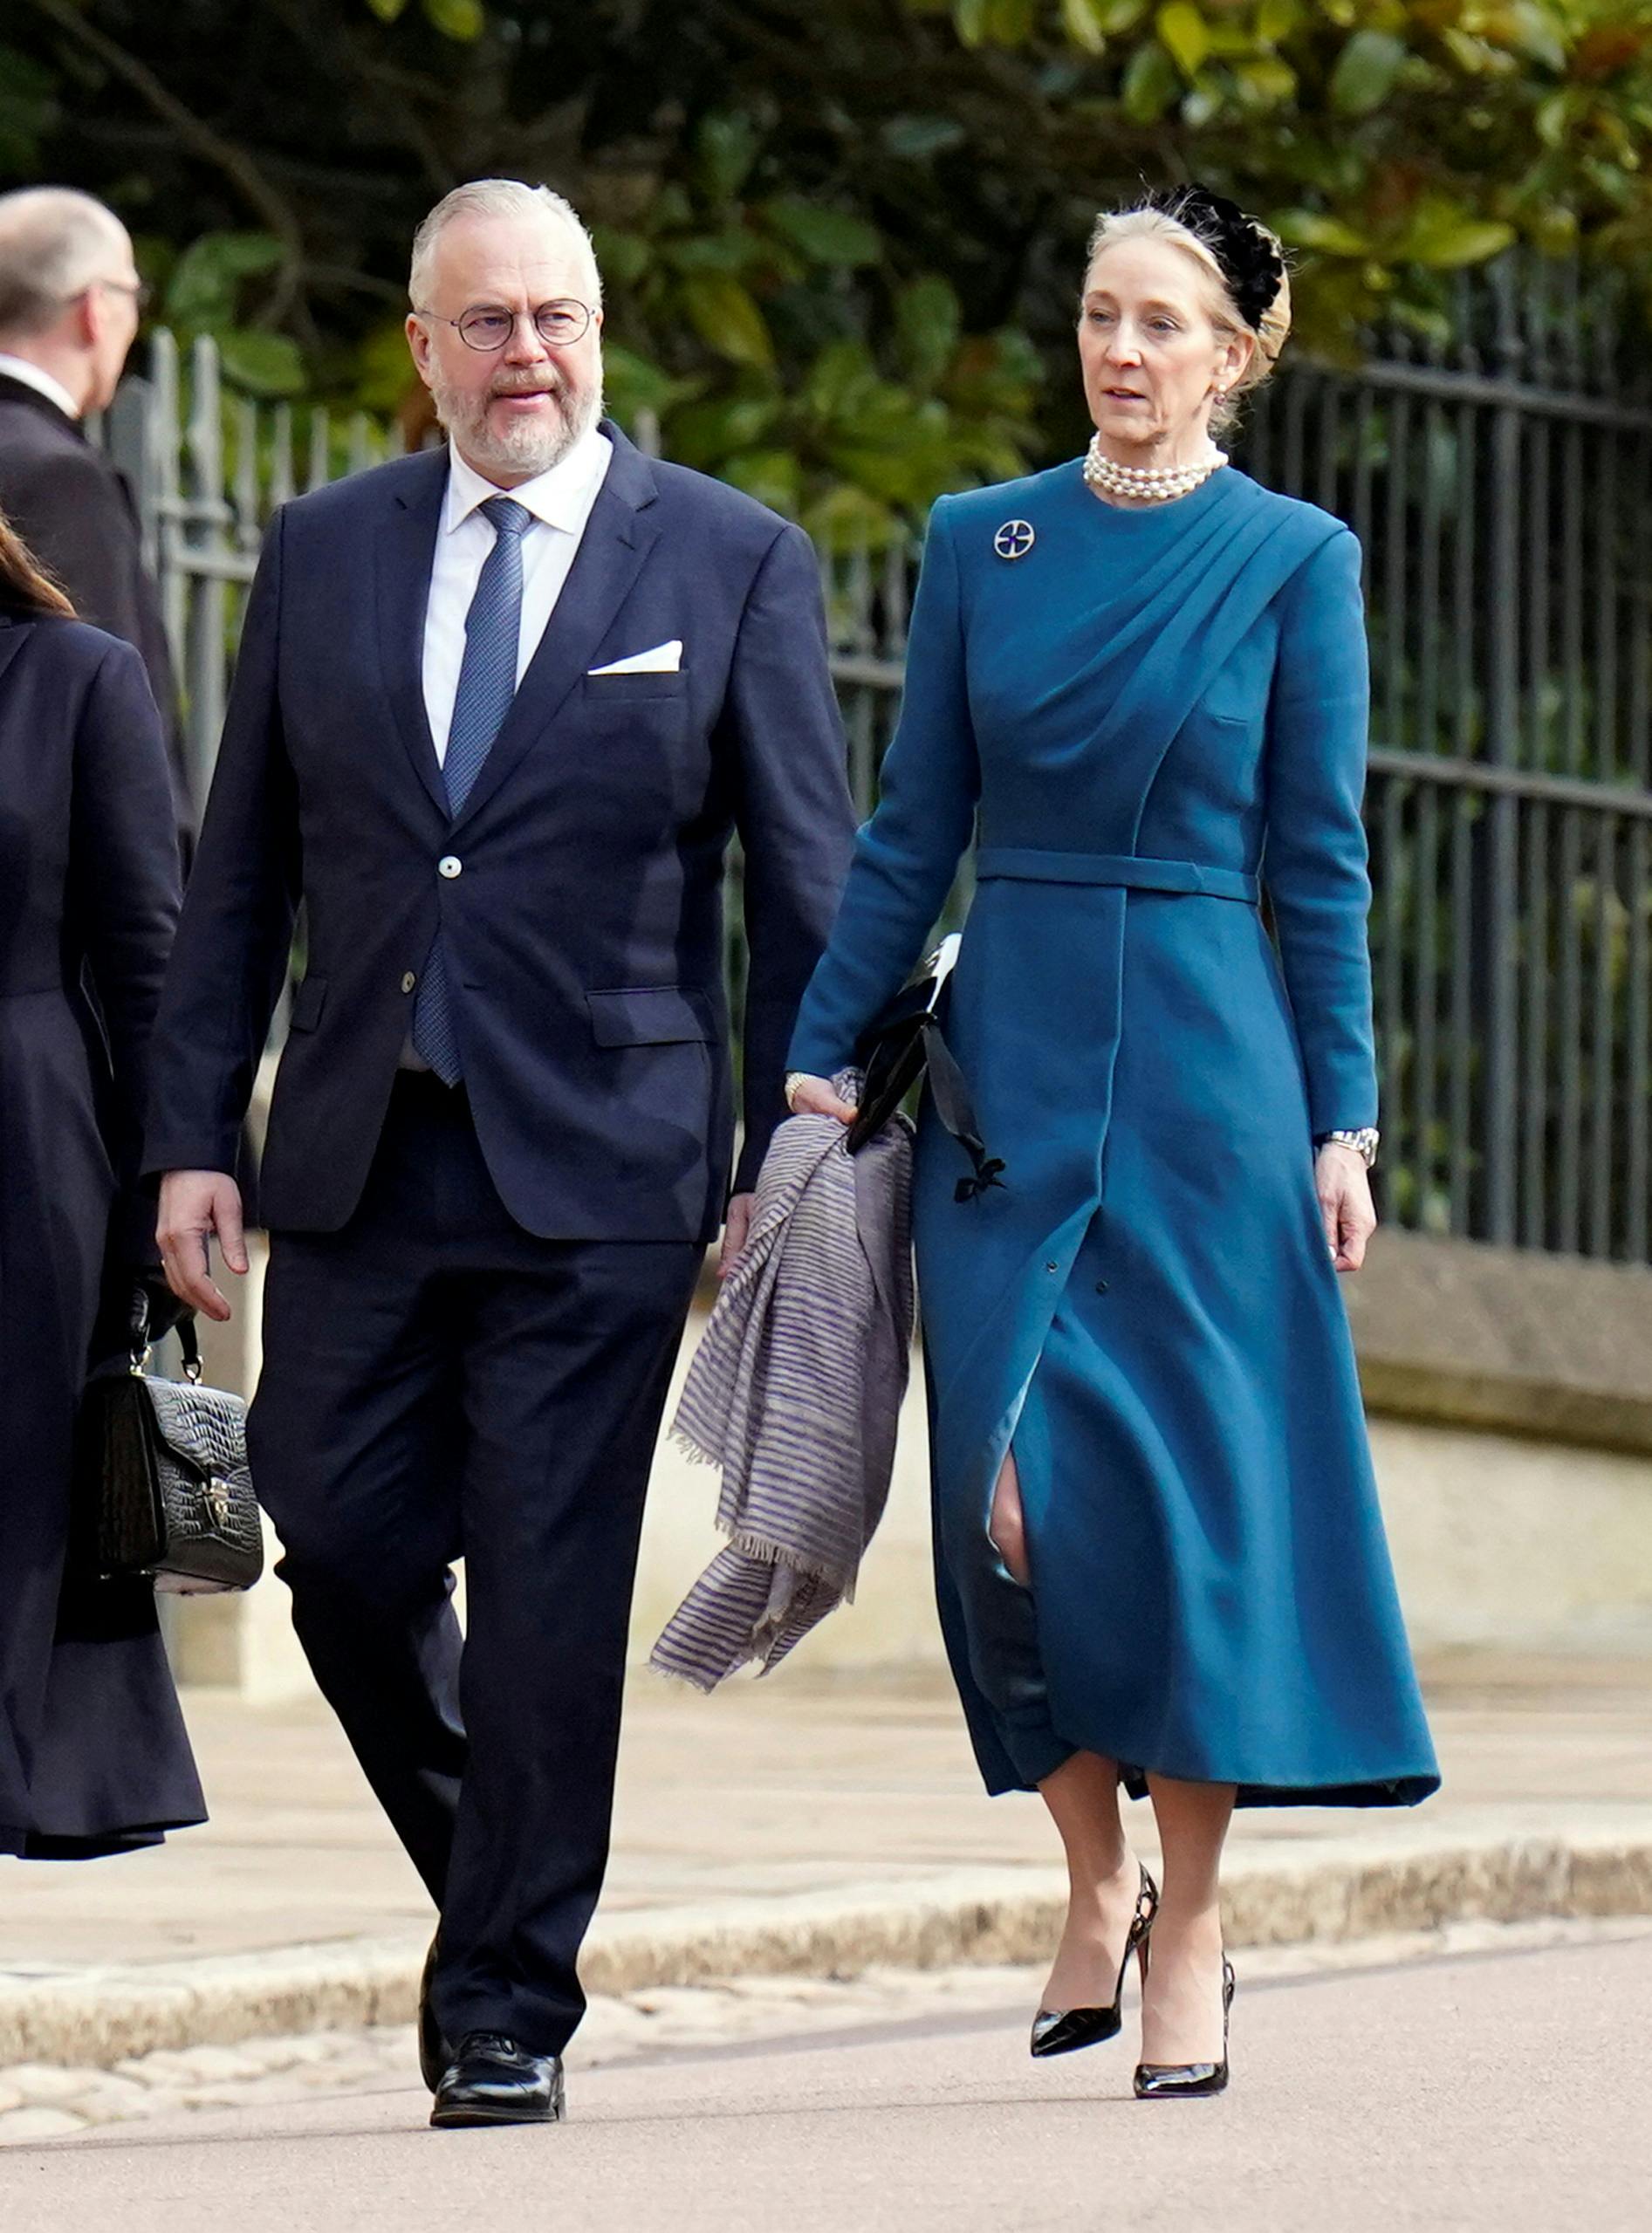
x=1156, y=714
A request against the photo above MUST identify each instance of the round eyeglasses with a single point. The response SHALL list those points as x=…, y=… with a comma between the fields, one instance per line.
x=486, y=327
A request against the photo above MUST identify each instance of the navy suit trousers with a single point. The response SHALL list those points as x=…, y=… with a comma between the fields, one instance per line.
x=438, y=1382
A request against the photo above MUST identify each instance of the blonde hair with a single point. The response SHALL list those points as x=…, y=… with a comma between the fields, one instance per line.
x=499, y=198
x=1271, y=329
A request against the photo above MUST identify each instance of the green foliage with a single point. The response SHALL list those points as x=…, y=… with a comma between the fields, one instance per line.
x=203, y=292
x=456, y=19
x=1389, y=139
x=849, y=407
x=28, y=109
x=840, y=239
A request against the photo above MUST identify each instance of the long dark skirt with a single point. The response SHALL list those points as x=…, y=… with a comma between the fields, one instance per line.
x=93, y=1756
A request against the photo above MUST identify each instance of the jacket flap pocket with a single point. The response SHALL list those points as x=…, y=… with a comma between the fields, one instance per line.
x=640, y=1015
x=307, y=1003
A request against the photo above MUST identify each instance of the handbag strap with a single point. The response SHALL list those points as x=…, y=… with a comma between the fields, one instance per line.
x=957, y=1111
x=189, y=1342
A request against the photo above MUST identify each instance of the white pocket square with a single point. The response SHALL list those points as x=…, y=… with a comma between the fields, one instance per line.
x=664, y=659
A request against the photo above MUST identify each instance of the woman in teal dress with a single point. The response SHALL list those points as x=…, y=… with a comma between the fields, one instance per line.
x=1138, y=682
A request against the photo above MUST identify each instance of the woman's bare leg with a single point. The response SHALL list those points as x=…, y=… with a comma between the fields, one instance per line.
x=1082, y=1796
x=1103, y=1881
x=1006, y=1527
x=1182, y=2005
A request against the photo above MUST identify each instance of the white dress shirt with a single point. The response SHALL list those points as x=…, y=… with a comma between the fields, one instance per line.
x=560, y=501
x=43, y=383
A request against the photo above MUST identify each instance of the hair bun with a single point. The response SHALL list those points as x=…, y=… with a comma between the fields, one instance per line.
x=1248, y=254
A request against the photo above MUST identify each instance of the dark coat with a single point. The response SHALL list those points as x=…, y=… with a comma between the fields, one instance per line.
x=72, y=505
x=581, y=903
x=92, y=1753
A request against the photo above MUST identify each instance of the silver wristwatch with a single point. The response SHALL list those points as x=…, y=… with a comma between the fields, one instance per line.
x=1363, y=1143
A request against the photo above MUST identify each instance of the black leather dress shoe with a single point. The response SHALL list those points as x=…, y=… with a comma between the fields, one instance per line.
x=435, y=2053
x=495, y=2081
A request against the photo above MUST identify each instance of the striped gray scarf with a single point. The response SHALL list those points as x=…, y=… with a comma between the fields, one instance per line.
x=795, y=1392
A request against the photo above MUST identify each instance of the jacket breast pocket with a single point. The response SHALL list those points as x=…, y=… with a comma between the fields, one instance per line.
x=1231, y=707
x=307, y=1004
x=626, y=690
x=1236, y=695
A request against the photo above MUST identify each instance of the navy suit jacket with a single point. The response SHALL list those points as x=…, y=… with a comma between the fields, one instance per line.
x=584, y=929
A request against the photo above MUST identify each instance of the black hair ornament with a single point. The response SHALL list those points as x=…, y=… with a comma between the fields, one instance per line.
x=1250, y=262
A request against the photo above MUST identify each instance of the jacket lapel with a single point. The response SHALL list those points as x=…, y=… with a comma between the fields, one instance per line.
x=404, y=553
x=612, y=552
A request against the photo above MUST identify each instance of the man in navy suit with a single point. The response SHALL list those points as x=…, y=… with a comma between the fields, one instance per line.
x=498, y=710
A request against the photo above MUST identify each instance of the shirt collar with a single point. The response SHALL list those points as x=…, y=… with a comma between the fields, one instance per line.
x=560, y=497
x=43, y=383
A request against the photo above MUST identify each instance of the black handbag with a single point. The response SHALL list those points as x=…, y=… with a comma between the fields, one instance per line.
x=162, y=1486
x=906, y=1044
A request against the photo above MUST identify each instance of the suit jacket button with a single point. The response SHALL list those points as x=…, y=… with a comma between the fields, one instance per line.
x=449, y=865
x=1101, y=1286
x=408, y=982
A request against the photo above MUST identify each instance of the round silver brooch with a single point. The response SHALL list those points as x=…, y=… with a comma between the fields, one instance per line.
x=1014, y=539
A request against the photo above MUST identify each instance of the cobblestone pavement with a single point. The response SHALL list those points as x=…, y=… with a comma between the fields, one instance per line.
x=46, y=2102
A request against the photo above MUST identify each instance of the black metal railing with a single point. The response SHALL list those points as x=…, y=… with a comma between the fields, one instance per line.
x=1498, y=474
x=1501, y=485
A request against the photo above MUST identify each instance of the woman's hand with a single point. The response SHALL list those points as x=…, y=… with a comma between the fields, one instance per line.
x=1343, y=1185
x=814, y=1097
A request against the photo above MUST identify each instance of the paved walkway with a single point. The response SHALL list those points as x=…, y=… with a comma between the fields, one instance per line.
x=1462, y=2096
x=789, y=1785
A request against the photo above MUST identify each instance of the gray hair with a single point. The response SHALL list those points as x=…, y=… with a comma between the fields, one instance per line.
x=499, y=198
x=54, y=242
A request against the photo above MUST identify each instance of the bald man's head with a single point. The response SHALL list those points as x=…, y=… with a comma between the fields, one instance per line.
x=68, y=288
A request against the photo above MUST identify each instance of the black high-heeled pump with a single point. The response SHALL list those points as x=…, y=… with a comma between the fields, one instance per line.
x=1189, y=2081
x=1063, y=2030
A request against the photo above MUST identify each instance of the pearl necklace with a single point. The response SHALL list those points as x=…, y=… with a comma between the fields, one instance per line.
x=1146, y=484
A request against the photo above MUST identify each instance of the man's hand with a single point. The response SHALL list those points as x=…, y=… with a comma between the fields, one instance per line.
x=736, y=1228
x=194, y=1206
x=1345, y=1203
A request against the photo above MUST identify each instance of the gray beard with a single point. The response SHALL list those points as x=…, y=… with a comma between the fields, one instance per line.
x=526, y=448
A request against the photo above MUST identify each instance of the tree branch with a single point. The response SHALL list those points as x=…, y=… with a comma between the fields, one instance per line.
x=236, y=166
x=396, y=94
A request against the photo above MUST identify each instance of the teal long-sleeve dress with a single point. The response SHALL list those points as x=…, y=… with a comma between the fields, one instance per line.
x=1144, y=719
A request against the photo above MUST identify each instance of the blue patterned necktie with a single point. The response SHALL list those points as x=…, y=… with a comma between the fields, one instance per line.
x=487, y=684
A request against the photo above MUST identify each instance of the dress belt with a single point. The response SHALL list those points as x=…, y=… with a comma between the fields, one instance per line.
x=1026, y=863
